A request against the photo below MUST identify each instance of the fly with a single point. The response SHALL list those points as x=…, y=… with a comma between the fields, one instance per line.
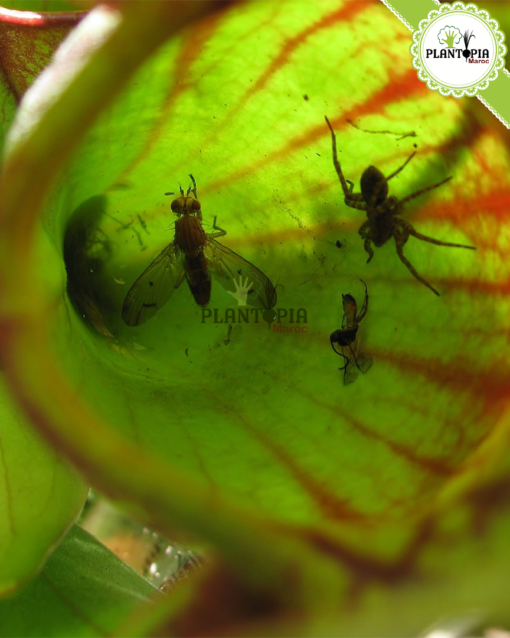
x=194, y=255
x=347, y=338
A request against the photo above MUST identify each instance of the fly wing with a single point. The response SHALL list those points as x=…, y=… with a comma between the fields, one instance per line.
x=364, y=361
x=350, y=372
x=361, y=361
x=233, y=272
x=154, y=287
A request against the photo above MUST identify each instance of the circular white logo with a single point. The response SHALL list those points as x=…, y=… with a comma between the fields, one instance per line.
x=458, y=49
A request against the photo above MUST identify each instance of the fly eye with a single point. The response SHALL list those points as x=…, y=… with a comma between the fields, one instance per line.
x=196, y=204
x=174, y=206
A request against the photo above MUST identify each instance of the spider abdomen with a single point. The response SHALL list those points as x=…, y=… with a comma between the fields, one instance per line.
x=381, y=228
x=374, y=186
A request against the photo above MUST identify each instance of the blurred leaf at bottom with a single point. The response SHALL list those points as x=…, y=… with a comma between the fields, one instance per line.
x=83, y=590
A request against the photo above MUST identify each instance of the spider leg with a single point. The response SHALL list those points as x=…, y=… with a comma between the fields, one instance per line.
x=364, y=230
x=400, y=239
x=402, y=167
x=405, y=224
x=423, y=190
x=364, y=307
x=354, y=200
x=364, y=233
x=337, y=163
x=368, y=249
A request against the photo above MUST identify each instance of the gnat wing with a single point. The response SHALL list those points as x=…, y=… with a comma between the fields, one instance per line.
x=232, y=272
x=154, y=287
x=350, y=372
x=364, y=361
x=361, y=361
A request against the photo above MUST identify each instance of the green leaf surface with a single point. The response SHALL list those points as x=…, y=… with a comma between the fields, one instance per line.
x=83, y=590
x=40, y=495
x=255, y=443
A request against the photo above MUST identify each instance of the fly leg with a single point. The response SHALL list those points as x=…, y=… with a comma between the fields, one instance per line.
x=221, y=232
x=346, y=359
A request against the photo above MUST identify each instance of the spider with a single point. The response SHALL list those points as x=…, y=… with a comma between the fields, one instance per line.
x=347, y=338
x=384, y=212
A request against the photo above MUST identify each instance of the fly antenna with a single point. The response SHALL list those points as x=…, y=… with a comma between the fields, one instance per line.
x=194, y=189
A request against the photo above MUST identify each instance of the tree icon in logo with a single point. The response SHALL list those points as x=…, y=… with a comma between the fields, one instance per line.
x=449, y=36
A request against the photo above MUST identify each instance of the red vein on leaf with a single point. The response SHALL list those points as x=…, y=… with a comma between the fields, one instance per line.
x=187, y=56
x=366, y=568
x=495, y=203
x=329, y=503
x=495, y=393
x=197, y=38
x=363, y=566
x=230, y=51
x=462, y=446
x=351, y=8
x=344, y=13
x=462, y=376
x=397, y=88
x=426, y=463
x=405, y=86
